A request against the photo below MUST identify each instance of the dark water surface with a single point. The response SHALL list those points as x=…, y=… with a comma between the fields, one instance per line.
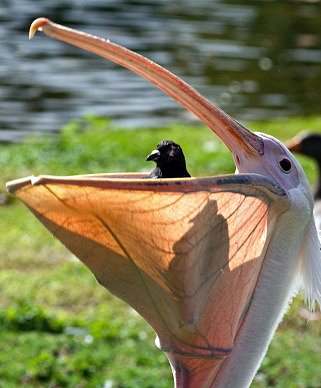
x=256, y=59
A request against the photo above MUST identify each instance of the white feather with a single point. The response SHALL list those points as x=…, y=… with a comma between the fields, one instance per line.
x=310, y=266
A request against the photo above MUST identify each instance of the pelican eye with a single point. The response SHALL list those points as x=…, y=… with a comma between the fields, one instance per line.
x=285, y=165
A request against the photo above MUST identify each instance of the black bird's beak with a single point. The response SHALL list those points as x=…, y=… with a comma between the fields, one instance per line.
x=154, y=155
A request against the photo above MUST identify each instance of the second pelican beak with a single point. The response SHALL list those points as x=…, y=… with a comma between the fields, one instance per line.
x=294, y=145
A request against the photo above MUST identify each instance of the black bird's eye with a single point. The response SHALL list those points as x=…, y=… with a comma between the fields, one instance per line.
x=286, y=165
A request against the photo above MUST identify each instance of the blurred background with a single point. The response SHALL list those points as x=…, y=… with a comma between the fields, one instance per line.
x=256, y=59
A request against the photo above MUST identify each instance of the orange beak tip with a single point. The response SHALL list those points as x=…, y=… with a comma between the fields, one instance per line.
x=294, y=145
x=37, y=25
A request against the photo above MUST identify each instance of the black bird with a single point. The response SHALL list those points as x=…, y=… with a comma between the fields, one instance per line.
x=309, y=144
x=170, y=161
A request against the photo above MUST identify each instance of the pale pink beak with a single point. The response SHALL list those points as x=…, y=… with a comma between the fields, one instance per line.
x=189, y=346
x=233, y=134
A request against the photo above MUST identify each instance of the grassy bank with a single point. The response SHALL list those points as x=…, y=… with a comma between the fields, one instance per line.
x=58, y=327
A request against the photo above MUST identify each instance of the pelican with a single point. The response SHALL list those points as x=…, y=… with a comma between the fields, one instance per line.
x=309, y=144
x=211, y=263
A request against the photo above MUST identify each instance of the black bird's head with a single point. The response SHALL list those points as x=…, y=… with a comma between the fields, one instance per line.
x=169, y=159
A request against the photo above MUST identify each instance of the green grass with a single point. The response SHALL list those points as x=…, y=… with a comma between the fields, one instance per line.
x=59, y=328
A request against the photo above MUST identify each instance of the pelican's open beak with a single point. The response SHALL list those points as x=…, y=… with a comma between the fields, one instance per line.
x=193, y=211
x=233, y=134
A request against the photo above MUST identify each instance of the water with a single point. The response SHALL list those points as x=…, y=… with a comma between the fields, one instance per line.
x=255, y=59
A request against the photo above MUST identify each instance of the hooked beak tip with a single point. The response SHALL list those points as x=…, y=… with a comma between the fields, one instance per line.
x=153, y=155
x=37, y=25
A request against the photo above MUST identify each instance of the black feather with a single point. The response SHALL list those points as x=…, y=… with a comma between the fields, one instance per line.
x=170, y=161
